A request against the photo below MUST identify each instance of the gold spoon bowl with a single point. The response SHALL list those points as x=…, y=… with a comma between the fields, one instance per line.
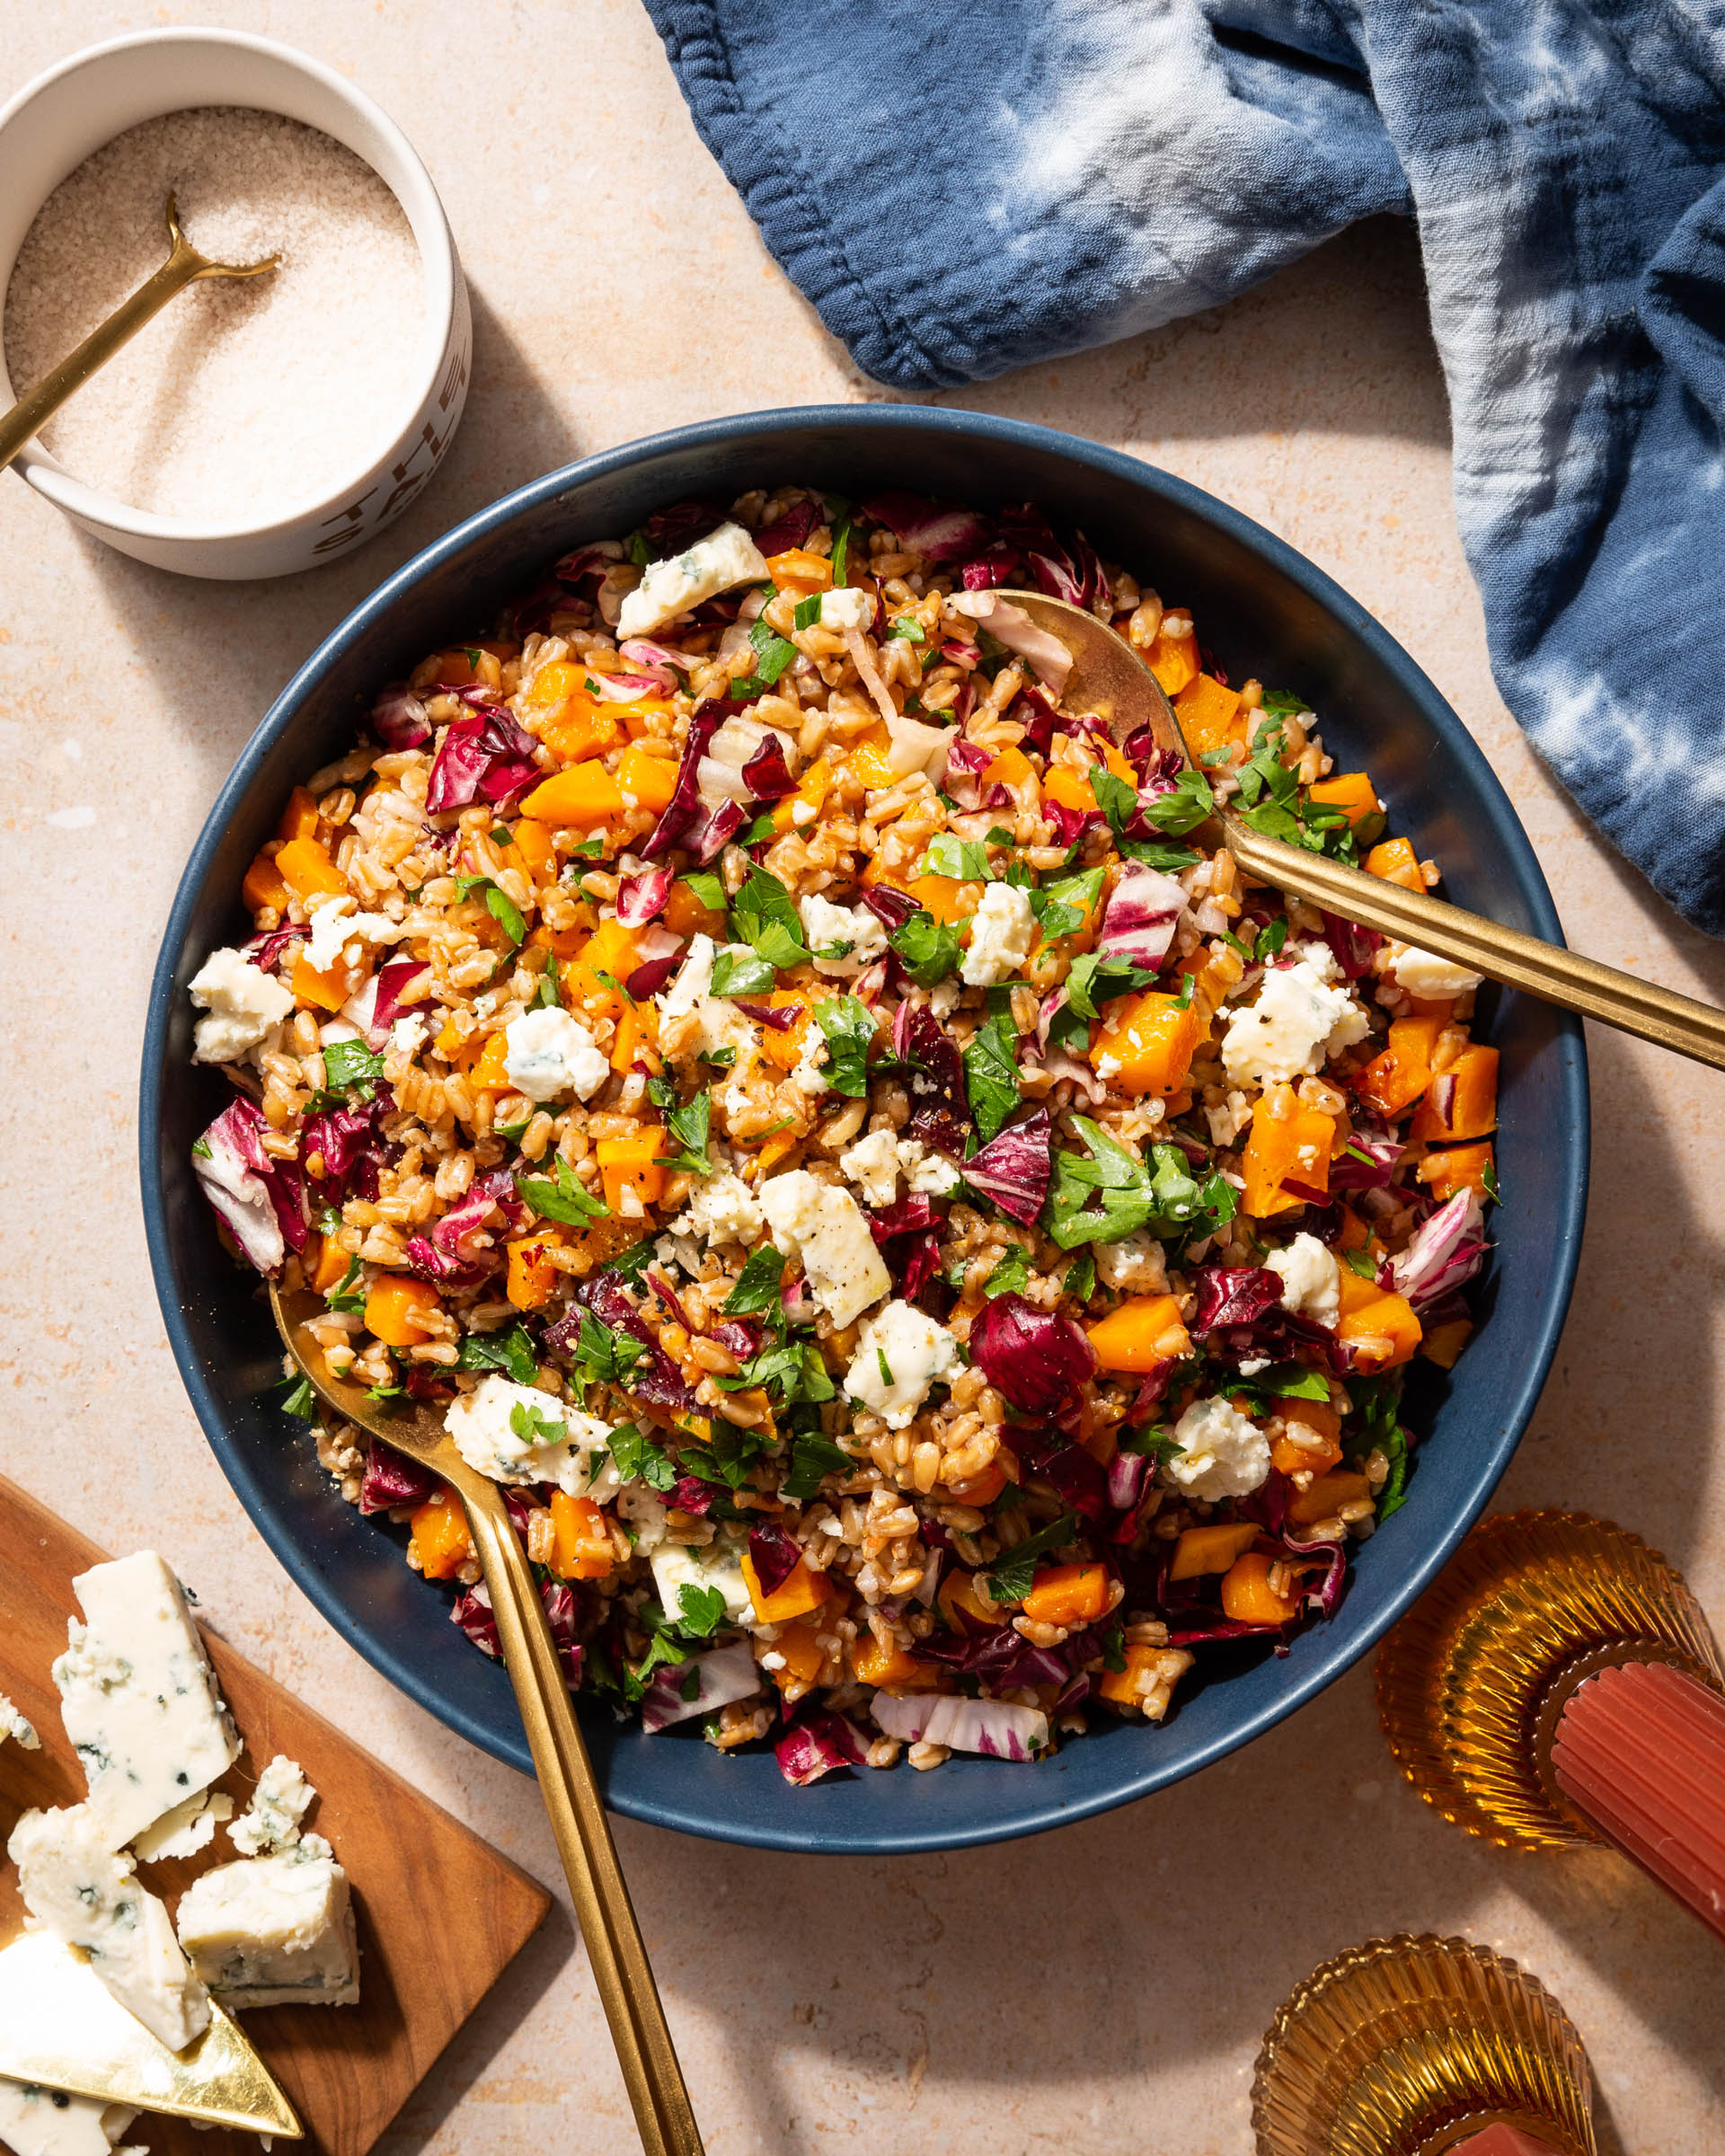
x=1110, y=679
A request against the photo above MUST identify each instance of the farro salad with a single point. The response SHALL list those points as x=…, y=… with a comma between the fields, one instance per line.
x=925, y=1246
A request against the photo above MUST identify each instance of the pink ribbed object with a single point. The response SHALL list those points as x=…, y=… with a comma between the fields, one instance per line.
x=1504, y=2140
x=1640, y=1750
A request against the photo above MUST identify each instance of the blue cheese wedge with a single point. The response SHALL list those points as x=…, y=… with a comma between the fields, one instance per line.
x=825, y=1230
x=724, y=559
x=274, y=1931
x=75, y=1884
x=48, y=2122
x=17, y=1726
x=185, y=1829
x=270, y=1822
x=138, y=1696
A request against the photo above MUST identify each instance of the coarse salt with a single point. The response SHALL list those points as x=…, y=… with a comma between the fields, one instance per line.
x=244, y=399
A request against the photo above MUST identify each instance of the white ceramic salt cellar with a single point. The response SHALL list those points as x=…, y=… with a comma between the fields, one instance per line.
x=54, y=123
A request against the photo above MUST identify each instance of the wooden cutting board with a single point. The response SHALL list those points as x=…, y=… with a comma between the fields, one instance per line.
x=441, y=1913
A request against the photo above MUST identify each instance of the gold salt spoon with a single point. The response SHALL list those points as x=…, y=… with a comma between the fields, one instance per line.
x=1109, y=678
x=184, y=266
x=576, y=1810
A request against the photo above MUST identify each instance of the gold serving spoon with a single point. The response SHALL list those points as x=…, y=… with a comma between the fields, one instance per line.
x=1109, y=678
x=621, y=1969
x=184, y=266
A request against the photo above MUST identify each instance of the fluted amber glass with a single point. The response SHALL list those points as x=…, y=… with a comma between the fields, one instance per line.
x=1472, y=1683
x=1410, y=2047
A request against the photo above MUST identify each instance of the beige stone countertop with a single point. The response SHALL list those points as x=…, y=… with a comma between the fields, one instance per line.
x=1103, y=1988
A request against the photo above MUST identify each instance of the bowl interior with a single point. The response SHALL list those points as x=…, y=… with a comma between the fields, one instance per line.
x=1262, y=610
x=54, y=123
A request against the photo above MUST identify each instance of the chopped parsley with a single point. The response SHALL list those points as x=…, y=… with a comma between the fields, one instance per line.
x=1012, y=1575
x=606, y=1357
x=991, y=1074
x=1011, y=1276
x=1096, y=979
x=639, y=1459
x=759, y=1286
x=512, y=1352
x=560, y=1195
x=806, y=615
x=812, y=1458
x=1184, y=809
x=688, y=1124
x=764, y=915
x=927, y=949
x=499, y=904
x=908, y=629
x=535, y=1428
x=707, y=887
x=965, y=860
x=1061, y=907
x=700, y=1610
x=350, y=1066
x=745, y=973
x=1160, y=1194
x=349, y=1294
x=849, y=1028
x=301, y=1401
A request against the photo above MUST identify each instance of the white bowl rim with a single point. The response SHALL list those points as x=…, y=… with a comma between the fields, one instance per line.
x=425, y=219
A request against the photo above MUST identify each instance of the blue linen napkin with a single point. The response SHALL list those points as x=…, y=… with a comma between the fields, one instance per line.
x=962, y=190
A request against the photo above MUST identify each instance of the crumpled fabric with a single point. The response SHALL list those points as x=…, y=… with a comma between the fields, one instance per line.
x=960, y=189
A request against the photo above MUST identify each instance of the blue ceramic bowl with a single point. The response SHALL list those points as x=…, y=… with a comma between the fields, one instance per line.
x=1263, y=610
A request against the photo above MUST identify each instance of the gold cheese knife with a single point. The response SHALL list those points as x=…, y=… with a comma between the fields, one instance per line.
x=61, y=2028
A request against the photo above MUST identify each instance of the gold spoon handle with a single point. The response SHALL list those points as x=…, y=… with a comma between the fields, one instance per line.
x=31, y=414
x=1503, y=954
x=663, y=2115
x=184, y=264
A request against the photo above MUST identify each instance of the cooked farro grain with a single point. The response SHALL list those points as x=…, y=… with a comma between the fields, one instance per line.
x=926, y=1242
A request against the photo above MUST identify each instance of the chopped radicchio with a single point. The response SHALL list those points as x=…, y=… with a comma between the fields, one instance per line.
x=708, y=838
x=485, y=756
x=474, y=1613
x=926, y=528
x=451, y=1253
x=642, y=898
x=1015, y=1166
x=265, y=951
x=966, y=760
x=1079, y=1478
x=940, y=1114
x=774, y=1553
x=1037, y=1361
x=391, y=982
x=393, y=1481
x=990, y=1727
x=1074, y=574
x=1233, y=1294
x=1446, y=1252
x=818, y=1743
x=627, y=688
x=1382, y=1150
x=261, y=1199
x=1015, y=628
x=684, y=807
x=1354, y=947
x=351, y=1147
x=690, y=1494
x=560, y=1610
x=1142, y=913
x=766, y=774
x=720, y=1676
x=400, y=718
x=674, y=530
x=658, y=659
x=892, y=908
x=791, y=529
x=656, y=1378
